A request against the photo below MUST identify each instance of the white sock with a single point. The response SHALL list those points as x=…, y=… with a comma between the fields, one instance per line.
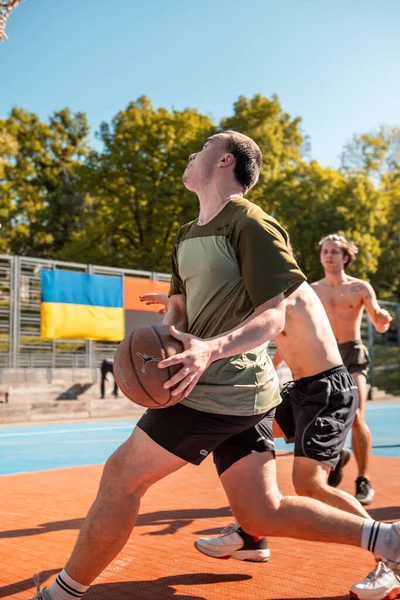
x=66, y=588
x=381, y=539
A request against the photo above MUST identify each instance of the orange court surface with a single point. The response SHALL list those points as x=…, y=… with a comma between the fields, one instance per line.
x=41, y=514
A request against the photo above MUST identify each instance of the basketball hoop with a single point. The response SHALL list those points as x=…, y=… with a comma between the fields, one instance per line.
x=6, y=8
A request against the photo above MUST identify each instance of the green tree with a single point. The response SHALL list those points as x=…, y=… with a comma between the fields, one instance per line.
x=278, y=135
x=40, y=195
x=373, y=154
x=312, y=201
x=8, y=152
x=122, y=205
x=137, y=199
x=377, y=156
x=387, y=276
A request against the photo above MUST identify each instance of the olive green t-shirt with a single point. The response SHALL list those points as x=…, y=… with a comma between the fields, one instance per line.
x=226, y=269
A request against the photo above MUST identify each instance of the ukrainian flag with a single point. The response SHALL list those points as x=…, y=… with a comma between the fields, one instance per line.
x=77, y=305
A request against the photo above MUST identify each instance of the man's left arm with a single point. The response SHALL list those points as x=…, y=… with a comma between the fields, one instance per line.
x=277, y=360
x=266, y=322
x=380, y=317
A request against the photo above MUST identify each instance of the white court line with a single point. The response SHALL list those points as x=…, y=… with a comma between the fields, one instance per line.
x=394, y=407
x=65, y=442
x=14, y=473
x=57, y=431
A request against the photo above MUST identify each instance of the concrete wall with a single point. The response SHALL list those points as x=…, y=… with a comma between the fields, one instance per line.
x=47, y=375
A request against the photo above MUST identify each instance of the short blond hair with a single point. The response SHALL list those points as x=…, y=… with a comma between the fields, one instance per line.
x=348, y=247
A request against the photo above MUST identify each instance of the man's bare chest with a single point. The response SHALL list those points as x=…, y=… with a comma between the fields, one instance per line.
x=341, y=300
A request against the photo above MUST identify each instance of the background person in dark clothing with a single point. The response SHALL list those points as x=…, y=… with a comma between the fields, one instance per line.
x=107, y=367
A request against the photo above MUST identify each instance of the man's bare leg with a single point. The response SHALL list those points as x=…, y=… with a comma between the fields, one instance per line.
x=261, y=510
x=310, y=478
x=128, y=473
x=361, y=435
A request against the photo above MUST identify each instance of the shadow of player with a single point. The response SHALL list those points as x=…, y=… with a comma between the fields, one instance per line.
x=171, y=521
x=162, y=588
x=12, y=589
x=385, y=513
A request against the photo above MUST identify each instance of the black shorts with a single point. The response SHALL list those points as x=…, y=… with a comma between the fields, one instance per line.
x=317, y=413
x=355, y=357
x=193, y=435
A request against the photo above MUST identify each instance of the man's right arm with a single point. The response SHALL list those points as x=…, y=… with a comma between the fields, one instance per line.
x=176, y=314
x=379, y=316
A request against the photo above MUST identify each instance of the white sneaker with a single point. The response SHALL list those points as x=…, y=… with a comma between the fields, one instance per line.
x=234, y=543
x=381, y=584
x=40, y=594
x=396, y=566
x=393, y=563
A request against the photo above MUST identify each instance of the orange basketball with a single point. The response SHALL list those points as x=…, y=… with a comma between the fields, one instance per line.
x=136, y=366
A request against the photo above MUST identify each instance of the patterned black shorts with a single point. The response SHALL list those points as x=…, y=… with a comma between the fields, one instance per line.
x=317, y=413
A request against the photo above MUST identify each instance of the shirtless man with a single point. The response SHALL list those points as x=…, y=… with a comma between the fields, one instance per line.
x=317, y=420
x=344, y=298
x=308, y=346
x=234, y=299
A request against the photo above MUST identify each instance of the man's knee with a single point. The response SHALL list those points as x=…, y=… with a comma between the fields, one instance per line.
x=310, y=482
x=311, y=489
x=303, y=486
x=120, y=479
x=255, y=521
x=358, y=418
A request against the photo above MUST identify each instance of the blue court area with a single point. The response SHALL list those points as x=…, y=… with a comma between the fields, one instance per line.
x=40, y=447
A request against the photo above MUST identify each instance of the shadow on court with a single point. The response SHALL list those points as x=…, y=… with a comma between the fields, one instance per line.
x=163, y=567
x=7, y=591
x=175, y=520
x=171, y=521
x=385, y=513
x=162, y=588
x=346, y=597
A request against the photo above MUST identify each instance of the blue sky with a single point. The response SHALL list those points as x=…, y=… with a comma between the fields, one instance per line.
x=335, y=63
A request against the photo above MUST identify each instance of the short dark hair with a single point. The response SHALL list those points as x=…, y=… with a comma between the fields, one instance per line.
x=248, y=158
x=348, y=248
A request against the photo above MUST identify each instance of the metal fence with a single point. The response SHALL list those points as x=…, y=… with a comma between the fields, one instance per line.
x=20, y=341
x=384, y=350
x=22, y=346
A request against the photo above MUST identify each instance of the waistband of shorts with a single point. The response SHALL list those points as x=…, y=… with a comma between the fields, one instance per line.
x=321, y=375
x=351, y=344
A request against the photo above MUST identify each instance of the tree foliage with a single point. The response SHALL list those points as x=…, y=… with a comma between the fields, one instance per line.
x=373, y=153
x=313, y=201
x=138, y=200
x=40, y=193
x=121, y=204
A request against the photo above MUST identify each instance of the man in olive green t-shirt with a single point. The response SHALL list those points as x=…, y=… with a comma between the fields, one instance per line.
x=231, y=273
x=225, y=269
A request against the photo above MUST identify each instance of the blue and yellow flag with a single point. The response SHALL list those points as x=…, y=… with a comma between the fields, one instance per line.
x=77, y=305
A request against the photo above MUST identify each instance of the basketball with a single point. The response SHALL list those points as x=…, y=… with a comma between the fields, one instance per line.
x=136, y=366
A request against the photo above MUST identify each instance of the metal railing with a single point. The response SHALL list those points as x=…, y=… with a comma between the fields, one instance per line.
x=21, y=344
x=20, y=341
x=384, y=350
